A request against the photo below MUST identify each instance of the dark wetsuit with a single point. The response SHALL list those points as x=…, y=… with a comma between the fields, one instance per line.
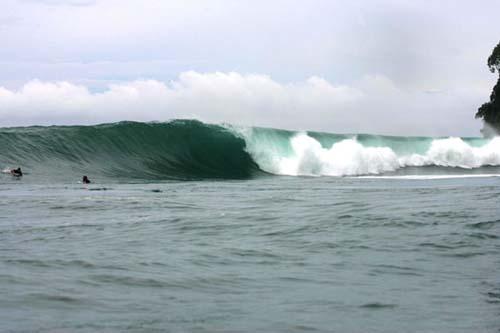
x=16, y=172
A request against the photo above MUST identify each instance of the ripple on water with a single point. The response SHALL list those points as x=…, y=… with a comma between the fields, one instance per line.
x=484, y=224
x=57, y=298
x=131, y=281
x=493, y=297
x=378, y=306
x=483, y=235
x=396, y=270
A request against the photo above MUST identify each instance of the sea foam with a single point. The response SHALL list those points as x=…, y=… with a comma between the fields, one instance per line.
x=348, y=157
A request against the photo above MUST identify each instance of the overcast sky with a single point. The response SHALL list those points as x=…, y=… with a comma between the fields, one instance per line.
x=393, y=67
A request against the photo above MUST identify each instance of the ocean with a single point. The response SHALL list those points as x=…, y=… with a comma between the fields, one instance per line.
x=194, y=227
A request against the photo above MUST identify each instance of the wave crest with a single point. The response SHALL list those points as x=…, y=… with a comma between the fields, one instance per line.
x=454, y=152
x=349, y=157
x=189, y=149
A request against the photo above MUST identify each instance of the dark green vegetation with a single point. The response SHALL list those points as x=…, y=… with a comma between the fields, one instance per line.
x=490, y=111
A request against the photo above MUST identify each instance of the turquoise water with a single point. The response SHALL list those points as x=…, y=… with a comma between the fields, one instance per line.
x=192, y=150
x=143, y=249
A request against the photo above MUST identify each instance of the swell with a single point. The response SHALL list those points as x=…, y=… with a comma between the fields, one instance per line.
x=190, y=149
x=181, y=149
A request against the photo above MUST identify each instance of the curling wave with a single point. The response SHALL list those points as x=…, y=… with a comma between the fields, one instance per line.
x=189, y=149
x=181, y=149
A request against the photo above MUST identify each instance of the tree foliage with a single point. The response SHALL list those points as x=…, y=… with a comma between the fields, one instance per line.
x=490, y=111
x=494, y=59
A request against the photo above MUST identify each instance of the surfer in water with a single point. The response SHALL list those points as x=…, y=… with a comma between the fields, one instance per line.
x=16, y=172
x=85, y=180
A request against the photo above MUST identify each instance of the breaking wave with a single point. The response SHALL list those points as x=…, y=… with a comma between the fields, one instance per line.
x=371, y=155
x=189, y=149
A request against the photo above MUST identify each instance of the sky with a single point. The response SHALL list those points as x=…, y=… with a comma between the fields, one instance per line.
x=360, y=66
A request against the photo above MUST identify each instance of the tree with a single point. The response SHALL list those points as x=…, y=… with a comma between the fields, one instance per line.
x=494, y=59
x=490, y=111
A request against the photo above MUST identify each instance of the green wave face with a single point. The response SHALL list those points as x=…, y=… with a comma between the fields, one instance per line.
x=181, y=149
x=189, y=149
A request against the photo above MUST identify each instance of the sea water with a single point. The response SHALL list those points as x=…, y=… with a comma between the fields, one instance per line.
x=162, y=249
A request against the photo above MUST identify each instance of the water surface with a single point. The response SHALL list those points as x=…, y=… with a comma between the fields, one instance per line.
x=271, y=254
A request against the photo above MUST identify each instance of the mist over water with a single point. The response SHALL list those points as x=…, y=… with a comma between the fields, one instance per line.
x=189, y=226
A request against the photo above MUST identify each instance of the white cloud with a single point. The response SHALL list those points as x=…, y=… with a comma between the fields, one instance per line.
x=372, y=105
x=400, y=67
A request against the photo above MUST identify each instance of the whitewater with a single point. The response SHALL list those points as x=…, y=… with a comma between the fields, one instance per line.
x=189, y=149
x=306, y=156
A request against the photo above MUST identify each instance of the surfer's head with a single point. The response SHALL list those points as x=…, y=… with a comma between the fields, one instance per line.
x=16, y=172
x=85, y=180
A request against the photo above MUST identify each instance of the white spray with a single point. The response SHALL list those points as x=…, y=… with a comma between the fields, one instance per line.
x=350, y=158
